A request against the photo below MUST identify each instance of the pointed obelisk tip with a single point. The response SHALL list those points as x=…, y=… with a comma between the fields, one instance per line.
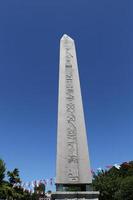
x=66, y=37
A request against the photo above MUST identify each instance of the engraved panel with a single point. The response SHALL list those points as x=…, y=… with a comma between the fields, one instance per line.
x=72, y=157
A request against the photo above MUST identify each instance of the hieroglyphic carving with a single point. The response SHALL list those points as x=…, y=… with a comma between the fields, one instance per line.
x=73, y=172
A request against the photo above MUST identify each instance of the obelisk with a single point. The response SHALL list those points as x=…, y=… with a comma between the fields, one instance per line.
x=73, y=170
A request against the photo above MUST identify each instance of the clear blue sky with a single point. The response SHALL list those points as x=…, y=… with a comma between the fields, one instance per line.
x=30, y=31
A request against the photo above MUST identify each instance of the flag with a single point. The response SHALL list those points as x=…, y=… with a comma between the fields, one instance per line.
x=54, y=179
x=109, y=166
x=23, y=186
x=51, y=181
x=35, y=183
x=14, y=185
x=45, y=182
x=32, y=183
x=117, y=166
x=92, y=171
x=29, y=184
x=99, y=169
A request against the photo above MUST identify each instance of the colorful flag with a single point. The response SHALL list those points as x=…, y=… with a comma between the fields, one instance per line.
x=29, y=184
x=26, y=184
x=117, y=166
x=35, y=183
x=92, y=171
x=109, y=166
x=32, y=183
x=99, y=169
x=14, y=185
x=54, y=180
x=45, y=182
x=51, y=181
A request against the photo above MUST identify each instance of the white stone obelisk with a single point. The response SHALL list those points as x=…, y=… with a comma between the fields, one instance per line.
x=73, y=164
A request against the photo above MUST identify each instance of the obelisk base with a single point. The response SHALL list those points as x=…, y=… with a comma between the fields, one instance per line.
x=91, y=195
x=73, y=187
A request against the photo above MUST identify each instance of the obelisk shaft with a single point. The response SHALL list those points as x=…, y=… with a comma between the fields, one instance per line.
x=73, y=165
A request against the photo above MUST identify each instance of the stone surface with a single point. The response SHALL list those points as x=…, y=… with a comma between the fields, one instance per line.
x=73, y=164
x=78, y=199
x=75, y=195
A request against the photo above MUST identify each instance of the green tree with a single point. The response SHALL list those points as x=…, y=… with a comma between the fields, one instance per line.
x=114, y=183
x=2, y=171
x=6, y=191
x=126, y=189
x=106, y=183
x=14, y=176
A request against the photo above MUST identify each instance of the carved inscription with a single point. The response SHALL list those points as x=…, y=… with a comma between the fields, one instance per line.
x=73, y=172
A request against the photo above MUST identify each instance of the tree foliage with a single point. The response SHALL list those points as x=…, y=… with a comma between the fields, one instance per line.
x=13, y=176
x=7, y=189
x=2, y=170
x=40, y=189
x=115, y=184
